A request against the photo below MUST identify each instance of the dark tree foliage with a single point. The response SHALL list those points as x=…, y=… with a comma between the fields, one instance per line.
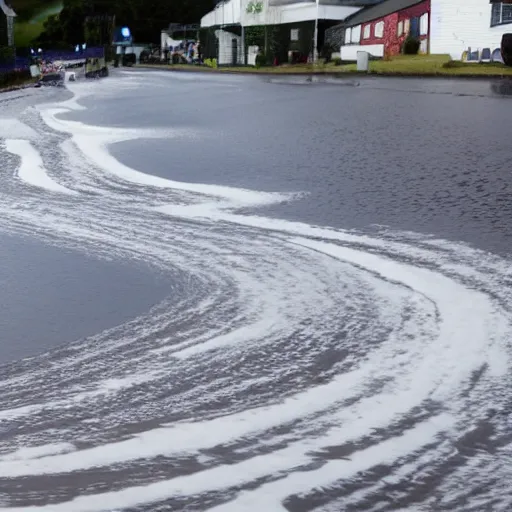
x=146, y=18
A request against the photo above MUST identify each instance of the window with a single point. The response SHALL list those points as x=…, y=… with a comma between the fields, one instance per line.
x=379, y=29
x=367, y=31
x=424, y=24
x=414, y=29
x=407, y=26
x=294, y=34
x=348, y=36
x=356, y=34
x=400, y=28
x=501, y=13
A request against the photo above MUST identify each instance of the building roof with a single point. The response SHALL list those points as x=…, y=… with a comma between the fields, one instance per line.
x=6, y=9
x=378, y=11
x=344, y=3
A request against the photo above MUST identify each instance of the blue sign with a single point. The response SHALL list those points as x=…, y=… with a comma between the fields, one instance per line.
x=123, y=36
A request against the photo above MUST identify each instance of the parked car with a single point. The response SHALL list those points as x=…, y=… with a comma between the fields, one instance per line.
x=150, y=55
x=506, y=49
x=129, y=59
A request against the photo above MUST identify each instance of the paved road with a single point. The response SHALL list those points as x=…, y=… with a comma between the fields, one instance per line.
x=336, y=328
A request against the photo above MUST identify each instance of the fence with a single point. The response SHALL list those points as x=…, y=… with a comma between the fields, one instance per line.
x=69, y=55
x=15, y=69
x=10, y=61
x=12, y=69
x=18, y=63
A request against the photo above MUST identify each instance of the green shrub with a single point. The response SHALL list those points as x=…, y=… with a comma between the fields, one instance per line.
x=337, y=61
x=211, y=63
x=411, y=46
x=454, y=64
x=7, y=54
x=261, y=60
x=14, y=77
x=326, y=52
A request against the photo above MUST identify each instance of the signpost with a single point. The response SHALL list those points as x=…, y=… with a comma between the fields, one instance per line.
x=122, y=39
x=315, y=37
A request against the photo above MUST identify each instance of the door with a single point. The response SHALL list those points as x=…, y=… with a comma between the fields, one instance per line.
x=234, y=52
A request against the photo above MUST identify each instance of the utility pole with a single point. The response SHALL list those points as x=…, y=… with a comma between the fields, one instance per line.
x=242, y=36
x=315, y=37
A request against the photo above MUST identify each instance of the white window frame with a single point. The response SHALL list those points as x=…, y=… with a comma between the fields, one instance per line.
x=500, y=21
x=400, y=29
x=378, y=30
x=424, y=24
x=294, y=34
x=348, y=35
x=367, y=31
x=407, y=26
x=356, y=34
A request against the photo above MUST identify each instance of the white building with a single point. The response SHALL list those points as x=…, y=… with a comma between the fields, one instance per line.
x=249, y=13
x=457, y=25
x=277, y=12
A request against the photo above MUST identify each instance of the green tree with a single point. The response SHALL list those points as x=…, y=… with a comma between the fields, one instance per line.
x=53, y=34
x=146, y=18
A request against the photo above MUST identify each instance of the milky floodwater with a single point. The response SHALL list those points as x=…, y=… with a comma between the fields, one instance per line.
x=292, y=367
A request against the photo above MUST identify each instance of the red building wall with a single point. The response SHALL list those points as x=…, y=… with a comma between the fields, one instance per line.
x=392, y=42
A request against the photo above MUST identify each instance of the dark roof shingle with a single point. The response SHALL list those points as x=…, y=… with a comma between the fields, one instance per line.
x=379, y=11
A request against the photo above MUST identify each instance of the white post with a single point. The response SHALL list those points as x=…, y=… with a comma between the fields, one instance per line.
x=315, y=37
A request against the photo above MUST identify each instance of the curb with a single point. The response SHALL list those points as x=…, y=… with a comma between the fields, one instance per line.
x=331, y=74
x=12, y=88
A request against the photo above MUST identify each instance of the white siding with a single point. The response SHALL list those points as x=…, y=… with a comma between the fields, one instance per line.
x=457, y=25
x=235, y=12
x=424, y=24
x=225, y=47
x=349, y=52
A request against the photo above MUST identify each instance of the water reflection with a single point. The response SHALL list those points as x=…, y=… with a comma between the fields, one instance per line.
x=313, y=79
x=502, y=87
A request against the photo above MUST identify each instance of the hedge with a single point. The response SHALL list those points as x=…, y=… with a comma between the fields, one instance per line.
x=13, y=77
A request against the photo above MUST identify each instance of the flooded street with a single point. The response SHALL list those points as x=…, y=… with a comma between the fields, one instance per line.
x=235, y=293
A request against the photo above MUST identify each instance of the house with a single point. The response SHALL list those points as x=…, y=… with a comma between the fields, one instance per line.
x=464, y=29
x=460, y=25
x=381, y=29
x=292, y=20
x=7, y=16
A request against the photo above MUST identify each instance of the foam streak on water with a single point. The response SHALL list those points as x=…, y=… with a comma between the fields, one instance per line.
x=293, y=367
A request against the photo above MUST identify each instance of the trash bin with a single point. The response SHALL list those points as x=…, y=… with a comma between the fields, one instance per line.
x=362, y=61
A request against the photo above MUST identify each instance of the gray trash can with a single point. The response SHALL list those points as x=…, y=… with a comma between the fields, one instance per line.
x=363, y=61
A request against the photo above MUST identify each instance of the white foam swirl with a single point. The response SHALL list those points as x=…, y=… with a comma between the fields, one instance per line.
x=292, y=359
